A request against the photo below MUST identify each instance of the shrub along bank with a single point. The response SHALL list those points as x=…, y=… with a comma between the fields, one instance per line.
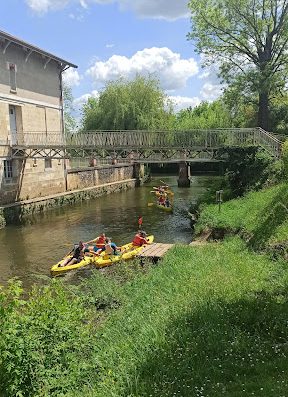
x=207, y=321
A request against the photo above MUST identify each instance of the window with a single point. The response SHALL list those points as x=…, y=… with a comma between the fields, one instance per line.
x=48, y=163
x=8, y=170
x=12, y=70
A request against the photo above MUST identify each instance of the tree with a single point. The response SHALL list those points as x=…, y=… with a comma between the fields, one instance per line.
x=248, y=38
x=69, y=121
x=205, y=116
x=129, y=105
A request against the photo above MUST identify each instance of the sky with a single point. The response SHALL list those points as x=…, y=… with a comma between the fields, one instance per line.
x=109, y=39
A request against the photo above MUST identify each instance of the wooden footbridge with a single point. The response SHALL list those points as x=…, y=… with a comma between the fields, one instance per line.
x=140, y=146
x=154, y=251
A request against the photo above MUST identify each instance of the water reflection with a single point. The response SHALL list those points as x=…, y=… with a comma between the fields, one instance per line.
x=31, y=249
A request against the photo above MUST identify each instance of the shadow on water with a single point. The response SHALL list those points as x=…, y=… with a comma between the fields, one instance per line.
x=237, y=349
x=32, y=248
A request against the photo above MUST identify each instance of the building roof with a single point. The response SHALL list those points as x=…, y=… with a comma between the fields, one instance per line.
x=12, y=39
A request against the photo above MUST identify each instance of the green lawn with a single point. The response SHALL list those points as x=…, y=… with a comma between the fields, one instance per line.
x=208, y=321
x=262, y=215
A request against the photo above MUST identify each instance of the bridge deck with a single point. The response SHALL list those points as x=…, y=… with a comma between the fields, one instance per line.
x=155, y=250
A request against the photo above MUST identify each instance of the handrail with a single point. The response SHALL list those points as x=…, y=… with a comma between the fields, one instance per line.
x=135, y=139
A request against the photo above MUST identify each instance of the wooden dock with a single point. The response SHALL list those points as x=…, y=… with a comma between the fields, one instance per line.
x=155, y=251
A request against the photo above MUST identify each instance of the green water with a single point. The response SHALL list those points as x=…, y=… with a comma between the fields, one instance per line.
x=28, y=251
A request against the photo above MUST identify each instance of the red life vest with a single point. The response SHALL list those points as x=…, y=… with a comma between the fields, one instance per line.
x=138, y=240
x=100, y=242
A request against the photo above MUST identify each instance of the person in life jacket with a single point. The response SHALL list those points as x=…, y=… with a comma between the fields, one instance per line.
x=140, y=238
x=110, y=248
x=96, y=245
x=162, y=199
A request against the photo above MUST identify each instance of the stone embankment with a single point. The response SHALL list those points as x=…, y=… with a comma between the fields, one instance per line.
x=14, y=213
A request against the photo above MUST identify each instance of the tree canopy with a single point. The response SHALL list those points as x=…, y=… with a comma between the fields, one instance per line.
x=205, y=116
x=69, y=121
x=248, y=39
x=129, y=105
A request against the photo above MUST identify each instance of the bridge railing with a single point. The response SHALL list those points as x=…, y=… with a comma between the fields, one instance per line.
x=268, y=141
x=206, y=139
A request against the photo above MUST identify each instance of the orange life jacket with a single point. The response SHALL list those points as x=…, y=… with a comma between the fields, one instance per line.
x=100, y=242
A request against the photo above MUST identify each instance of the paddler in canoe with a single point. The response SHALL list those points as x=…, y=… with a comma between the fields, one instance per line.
x=140, y=238
x=77, y=255
x=110, y=248
x=96, y=245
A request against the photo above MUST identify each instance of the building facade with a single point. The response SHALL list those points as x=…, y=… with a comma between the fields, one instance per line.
x=30, y=104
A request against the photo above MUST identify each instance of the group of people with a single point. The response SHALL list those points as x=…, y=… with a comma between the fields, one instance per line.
x=162, y=195
x=97, y=246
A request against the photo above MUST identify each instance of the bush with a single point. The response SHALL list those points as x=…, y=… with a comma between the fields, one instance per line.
x=45, y=342
x=285, y=157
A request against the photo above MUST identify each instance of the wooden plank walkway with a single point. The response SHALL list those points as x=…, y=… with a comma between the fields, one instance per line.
x=155, y=250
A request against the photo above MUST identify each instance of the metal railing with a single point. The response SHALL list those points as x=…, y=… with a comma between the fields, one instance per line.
x=155, y=140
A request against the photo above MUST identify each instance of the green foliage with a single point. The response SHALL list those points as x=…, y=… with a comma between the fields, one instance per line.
x=246, y=169
x=45, y=343
x=248, y=39
x=285, y=157
x=204, y=116
x=241, y=104
x=249, y=168
x=129, y=105
x=279, y=114
x=69, y=120
x=262, y=217
x=207, y=317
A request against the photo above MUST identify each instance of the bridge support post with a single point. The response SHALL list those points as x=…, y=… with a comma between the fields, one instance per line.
x=184, y=174
x=139, y=172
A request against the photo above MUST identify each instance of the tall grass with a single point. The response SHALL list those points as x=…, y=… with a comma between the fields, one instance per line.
x=262, y=215
x=207, y=322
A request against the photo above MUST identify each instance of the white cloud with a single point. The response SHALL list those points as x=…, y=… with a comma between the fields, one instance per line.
x=109, y=45
x=43, y=6
x=78, y=17
x=80, y=101
x=211, y=91
x=71, y=77
x=160, y=9
x=182, y=102
x=172, y=71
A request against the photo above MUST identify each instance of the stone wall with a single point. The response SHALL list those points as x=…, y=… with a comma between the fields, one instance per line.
x=93, y=176
x=31, y=179
x=14, y=213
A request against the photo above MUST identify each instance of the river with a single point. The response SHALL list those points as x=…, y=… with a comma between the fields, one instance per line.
x=30, y=249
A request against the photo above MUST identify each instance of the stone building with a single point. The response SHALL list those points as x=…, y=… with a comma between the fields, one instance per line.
x=30, y=104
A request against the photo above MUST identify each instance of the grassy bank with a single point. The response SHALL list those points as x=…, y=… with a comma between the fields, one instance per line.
x=260, y=216
x=208, y=321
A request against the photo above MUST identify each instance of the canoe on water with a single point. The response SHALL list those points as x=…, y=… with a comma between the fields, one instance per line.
x=164, y=208
x=57, y=269
x=161, y=207
x=128, y=251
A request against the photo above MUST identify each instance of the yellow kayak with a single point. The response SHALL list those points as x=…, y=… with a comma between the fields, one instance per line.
x=57, y=269
x=163, y=207
x=128, y=251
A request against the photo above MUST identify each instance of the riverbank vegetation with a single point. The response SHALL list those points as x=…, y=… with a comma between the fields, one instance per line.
x=206, y=321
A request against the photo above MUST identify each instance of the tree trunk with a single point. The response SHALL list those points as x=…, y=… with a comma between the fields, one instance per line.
x=263, y=111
